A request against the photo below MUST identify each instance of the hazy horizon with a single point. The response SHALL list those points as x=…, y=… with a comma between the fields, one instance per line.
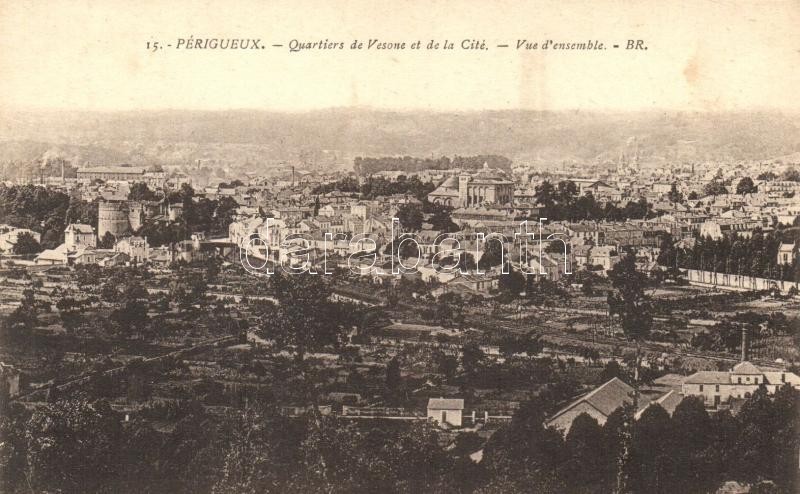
x=335, y=136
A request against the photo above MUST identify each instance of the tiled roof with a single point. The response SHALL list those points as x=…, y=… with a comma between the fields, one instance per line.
x=708, y=377
x=605, y=398
x=780, y=378
x=80, y=228
x=445, y=404
x=113, y=169
x=669, y=402
x=746, y=368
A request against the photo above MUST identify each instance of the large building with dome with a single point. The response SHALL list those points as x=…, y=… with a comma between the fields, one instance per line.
x=487, y=186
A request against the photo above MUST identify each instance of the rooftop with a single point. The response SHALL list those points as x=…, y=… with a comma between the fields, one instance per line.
x=445, y=404
x=79, y=228
x=113, y=169
x=606, y=398
x=746, y=368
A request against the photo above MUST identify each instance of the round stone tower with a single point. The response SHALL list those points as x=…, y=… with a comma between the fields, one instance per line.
x=112, y=217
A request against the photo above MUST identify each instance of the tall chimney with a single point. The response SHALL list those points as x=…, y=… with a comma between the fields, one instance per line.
x=745, y=349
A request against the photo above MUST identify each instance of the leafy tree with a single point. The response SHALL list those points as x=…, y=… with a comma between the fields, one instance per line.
x=633, y=306
x=492, y=253
x=107, y=242
x=715, y=188
x=338, y=458
x=70, y=312
x=466, y=262
x=410, y=216
x=674, y=194
x=791, y=175
x=26, y=244
x=513, y=282
x=71, y=446
x=305, y=319
x=132, y=314
x=525, y=445
x=545, y=195
x=20, y=323
x=252, y=461
x=440, y=219
x=447, y=364
x=567, y=192
x=88, y=274
x=611, y=370
x=393, y=377
x=746, y=186
x=190, y=288
x=140, y=192
x=109, y=291
x=691, y=433
x=407, y=249
x=585, y=462
x=652, y=452
x=510, y=345
x=472, y=357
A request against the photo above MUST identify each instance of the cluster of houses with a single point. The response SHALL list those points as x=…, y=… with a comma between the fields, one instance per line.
x=483, y=201
x=80, y=247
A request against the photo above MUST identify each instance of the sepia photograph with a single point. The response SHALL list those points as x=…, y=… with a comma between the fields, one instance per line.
x=400, y=247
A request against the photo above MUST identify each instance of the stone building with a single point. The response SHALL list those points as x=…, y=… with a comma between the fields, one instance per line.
x=487, y=186
x=78, y=235
x=113, y=217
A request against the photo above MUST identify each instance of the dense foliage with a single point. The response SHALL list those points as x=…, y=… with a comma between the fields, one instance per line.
x=374, y=187
x=754, y=256
x=44, y=210
x=74, y=445
x=562, y=202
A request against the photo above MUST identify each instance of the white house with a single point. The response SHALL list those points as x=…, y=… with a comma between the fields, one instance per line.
x=136, y=248
x=79, y=235
x=446, y=410
x=787, y=253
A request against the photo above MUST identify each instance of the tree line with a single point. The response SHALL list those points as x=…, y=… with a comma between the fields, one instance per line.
x=754, y=256
x=366, y=166
x=75, y=445
x=374, y=187
x=562, y=202
x=44, y=210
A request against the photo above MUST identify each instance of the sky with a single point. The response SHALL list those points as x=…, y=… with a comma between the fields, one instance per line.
x=701, y=55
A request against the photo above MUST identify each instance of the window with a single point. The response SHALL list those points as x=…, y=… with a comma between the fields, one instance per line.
x=701, y=387
x=740, y=380
x=717, y=390
x=756, y=380
x=748, y=378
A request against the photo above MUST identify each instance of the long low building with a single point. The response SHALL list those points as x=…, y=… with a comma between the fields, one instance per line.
x=122, y=173
x=106, y=173
x=718, y=387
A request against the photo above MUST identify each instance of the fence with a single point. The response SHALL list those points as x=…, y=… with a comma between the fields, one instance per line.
x=738, y=282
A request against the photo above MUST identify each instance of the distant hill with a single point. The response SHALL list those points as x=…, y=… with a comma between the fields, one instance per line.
x=260, y=140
